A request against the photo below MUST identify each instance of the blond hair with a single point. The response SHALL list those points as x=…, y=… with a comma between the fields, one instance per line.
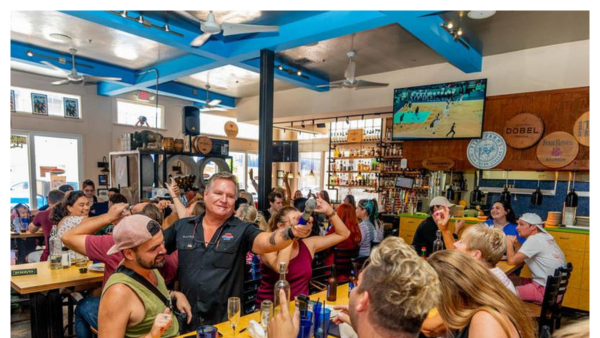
x=580, y=329
x=491, y=242
x=402, y=287
x=222, y=176
x=469, y=287
x=248, y=213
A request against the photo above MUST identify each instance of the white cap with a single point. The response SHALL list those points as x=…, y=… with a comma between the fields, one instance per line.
x=533, y=219
x=440, y=200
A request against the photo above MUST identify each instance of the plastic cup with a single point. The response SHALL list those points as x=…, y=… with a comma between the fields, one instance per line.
x=206, y=331
x=322, y=322
x=306, y=326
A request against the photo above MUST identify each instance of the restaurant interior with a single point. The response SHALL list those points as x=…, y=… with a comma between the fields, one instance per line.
x=396, y=107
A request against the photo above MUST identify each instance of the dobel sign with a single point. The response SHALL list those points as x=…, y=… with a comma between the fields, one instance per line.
x=523, y=130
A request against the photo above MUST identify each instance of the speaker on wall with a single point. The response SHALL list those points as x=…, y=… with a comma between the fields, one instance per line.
x=191, y=120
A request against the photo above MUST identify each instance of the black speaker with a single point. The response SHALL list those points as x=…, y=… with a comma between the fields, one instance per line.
x=191, y=120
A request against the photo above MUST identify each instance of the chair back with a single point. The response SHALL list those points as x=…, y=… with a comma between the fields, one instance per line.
x=34, y=256
x=556, y=287
x=318, y=281
x=342, y=260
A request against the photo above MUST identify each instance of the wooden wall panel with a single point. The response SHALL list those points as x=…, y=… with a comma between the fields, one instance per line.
x=559, y=109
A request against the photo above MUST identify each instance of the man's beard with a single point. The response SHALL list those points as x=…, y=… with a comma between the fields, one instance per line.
x=151, y=265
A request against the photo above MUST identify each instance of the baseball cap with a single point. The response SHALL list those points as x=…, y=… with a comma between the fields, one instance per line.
x=440, y=200
x=534, y=219
x=133, y=231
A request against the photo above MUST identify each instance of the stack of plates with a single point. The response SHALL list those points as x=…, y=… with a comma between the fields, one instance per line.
x=554, y=218
x=582, y=221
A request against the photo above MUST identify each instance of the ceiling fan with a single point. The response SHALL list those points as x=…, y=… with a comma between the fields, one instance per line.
x=74, y=77
x=211, y=105
x=350, y=81
x=211, y=27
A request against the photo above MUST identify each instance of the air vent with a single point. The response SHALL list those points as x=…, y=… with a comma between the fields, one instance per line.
x=303, y=61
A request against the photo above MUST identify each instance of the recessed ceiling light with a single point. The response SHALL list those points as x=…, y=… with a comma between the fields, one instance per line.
x=478, y=15
x=60, y=37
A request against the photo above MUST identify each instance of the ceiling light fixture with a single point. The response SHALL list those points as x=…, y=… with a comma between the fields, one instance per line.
x=303, y=126
x=140, y=19
x=290, y=71
x=29, y=53
x=146, y=23
x=456, y=33
x=478, y=15
x=299, y=73
x=166, y=28
x=124, y=14
x=347, y=120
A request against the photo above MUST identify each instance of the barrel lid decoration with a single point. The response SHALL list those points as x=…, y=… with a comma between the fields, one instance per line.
x=557, y=150
x=203, y=144
x=488, y=151
x=438, y=163
x=581, y=129
x=523, y=130
x=231, y=129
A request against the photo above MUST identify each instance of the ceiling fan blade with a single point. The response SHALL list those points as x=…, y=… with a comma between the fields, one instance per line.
x=100, y=78
x=200, y=40
x=61, y=82
x=188, y=16
x=213, y=103
x=368, y=84
x=332, y=84
x=238, y=28
x=350, y=71
x=55, y=67
x=218, y=109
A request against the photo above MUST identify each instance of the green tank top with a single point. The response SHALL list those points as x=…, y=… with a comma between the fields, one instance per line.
x=152, y=304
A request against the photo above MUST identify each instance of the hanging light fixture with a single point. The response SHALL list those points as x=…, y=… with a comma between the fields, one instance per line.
x=450, y=191
x=572, y=197
x=105, y=170
x=505, y=195
x=537, y=197
x=476, y=194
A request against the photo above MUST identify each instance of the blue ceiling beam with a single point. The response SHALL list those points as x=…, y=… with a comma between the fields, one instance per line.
x=18, y=52
x=167, y=71
x=213, y=49
x=186, y=92
x=319, y=27
x=311, y=81
x=428, y=29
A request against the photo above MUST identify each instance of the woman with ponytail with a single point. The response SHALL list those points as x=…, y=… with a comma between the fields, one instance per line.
x=371, y=230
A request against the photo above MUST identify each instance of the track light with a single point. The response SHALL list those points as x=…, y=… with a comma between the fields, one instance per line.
x=124, y=14
x=450, y=25
x=456, y=33
x=166, y=28
x=140, y=19
x=347, y=120
x=299, y=73
x=280, y=67
x=303, y=124
x=146, y=23
x=29, y=53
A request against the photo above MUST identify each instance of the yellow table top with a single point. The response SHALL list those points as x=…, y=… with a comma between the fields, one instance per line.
x=225, y=328
x=48, y=279
x=508, y=268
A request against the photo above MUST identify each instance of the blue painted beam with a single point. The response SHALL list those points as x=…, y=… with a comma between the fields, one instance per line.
x=167, y=71
x=428, y=29
x=18, y=52
x=212, y=49
x=186, y=92
x=319, y=27
x=311, y=82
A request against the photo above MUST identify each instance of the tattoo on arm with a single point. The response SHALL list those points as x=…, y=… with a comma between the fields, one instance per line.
x=272, y=238
x=285, y=235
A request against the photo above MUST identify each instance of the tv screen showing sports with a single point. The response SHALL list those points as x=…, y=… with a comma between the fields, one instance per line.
x=441, y=111
x=285, y=151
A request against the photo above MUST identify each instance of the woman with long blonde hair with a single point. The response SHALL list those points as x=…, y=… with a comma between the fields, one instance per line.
x=475, y=303
x=248, y=213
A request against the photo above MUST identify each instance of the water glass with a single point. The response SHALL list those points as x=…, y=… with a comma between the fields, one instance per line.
x=234, y=310
x=266, y=312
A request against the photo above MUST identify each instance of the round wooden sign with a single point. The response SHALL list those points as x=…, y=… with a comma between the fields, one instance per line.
x=523, y=130
x=581, y=129
x=438, y=163
x=557, y=150
x=203, y=144
x=231, y=129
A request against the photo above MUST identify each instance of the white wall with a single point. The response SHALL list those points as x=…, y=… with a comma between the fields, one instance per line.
x=546, y=68
x=99, y=132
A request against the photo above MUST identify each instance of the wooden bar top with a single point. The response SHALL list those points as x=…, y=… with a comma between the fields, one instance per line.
x=26, y=235
x=225, y=328
x=508, y=268
x=47, y=279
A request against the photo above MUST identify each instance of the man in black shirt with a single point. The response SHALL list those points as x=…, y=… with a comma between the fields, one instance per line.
x=426, y=232
x=212, y=251
x=275, y=203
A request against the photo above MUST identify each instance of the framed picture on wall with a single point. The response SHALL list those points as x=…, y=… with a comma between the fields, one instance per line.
x=102, y=179
x=12, y=101
x=71, y=108
x=39, y=103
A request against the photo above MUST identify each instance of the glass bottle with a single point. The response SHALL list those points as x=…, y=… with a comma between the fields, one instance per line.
x=438, y=245
x=66, y=258
x=55, y=249
x=281, y=284
x=424, y=253
x=351, y=282
x=332, y=288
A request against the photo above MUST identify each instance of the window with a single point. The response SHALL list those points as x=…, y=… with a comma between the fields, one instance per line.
x=33, y=156
x=56, y=106
x=239, y=168
x=215, y=125
x=130, y=112
x=307, y=182
x=253, y=164
x=311, y=136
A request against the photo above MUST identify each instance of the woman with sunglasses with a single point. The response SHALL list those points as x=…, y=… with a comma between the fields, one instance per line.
x=298, y=256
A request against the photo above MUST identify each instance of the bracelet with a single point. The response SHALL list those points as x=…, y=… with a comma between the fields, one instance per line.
x=333, y=213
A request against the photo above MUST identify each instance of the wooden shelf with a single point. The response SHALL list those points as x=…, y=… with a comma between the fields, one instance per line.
x=413, y=188
x=393, y=157
x=354, y=171
x=383, y=143
x=354, y=186
x=354, y=143
x=353, y=158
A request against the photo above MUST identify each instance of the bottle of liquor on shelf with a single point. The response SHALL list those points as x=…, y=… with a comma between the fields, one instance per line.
x=281, y=284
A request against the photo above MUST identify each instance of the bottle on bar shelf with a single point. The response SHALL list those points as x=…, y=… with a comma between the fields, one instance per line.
x=281, y=284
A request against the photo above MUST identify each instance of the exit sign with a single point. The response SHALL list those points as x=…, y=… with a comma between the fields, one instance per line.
x=144, y=96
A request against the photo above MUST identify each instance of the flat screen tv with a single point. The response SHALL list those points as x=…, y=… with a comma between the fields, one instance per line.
x=285, y=151
x=441, y=111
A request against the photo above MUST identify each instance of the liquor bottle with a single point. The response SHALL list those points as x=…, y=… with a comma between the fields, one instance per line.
x=281, y=284
x=438, y=245
x=332, y=288
x=55, y=250
x=351, y=282
x=424, y=253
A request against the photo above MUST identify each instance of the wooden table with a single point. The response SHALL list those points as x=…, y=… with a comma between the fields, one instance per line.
x=26, y=235
x=225, y=328
x=508, y=268
x=43, y=303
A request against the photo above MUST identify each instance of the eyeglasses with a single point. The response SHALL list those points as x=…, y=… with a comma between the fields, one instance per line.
x=153, y=227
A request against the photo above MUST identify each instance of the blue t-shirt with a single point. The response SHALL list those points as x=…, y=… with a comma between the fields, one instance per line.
x=509, y=229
